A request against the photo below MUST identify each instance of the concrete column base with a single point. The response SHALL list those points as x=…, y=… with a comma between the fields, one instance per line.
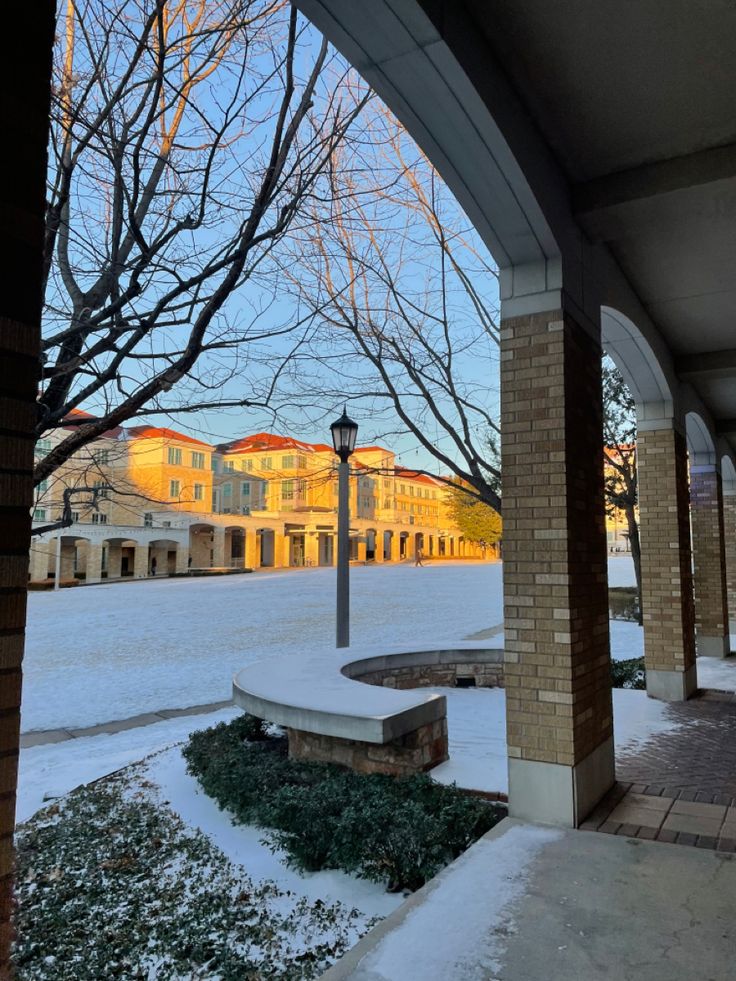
x=550, y=793
x=672, y=686
x=713, y=646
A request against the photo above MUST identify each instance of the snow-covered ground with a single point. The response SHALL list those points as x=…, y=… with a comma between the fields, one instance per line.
x=108, y=652
x=99, y=653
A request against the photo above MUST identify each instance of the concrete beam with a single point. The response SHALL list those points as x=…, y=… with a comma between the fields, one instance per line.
x=650, y=180
x=710, y=364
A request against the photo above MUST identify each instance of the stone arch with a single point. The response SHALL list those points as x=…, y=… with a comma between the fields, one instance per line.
x=644, y=373
x=477, y=142
x=201, y=544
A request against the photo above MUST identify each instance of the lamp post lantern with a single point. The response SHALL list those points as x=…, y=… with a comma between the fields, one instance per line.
x=344, y=433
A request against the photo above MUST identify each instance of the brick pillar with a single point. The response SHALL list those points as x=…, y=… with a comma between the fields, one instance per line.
x=252, y=549
x=281, y=550
x=182, y=560
x=218, y=548
x=26, y=72
x=39, y=569
x=709, y=562
x=68, y=555
x=140, y=561
x=557, y=660
x=729, y=538
x=666, y=572
x=311, y=548
x=361, y=551
x=94, y=562
x=114, y=561
x=378, y=547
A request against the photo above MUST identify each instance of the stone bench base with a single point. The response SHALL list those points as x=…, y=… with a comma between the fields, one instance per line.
x=415, y=752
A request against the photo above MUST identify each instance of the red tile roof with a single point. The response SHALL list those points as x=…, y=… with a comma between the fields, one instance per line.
x=81, y=414
x=264, y=441
x=161, y=432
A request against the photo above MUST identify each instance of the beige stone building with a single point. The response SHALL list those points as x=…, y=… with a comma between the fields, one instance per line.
x=150, y=500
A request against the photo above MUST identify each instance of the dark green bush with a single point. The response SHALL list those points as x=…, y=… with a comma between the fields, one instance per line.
x=623, y=603
x=399, y=830
x=629, y=674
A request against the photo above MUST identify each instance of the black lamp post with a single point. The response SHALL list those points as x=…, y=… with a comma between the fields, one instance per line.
x=344, y=433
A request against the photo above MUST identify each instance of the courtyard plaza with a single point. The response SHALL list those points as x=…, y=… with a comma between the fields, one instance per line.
x=674, y=762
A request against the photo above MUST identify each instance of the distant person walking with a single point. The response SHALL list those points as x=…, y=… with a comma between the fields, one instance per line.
x=154, y=564
x=419, y=557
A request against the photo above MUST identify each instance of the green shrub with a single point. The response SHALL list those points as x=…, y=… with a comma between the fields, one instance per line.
x=629, y=674
x=399, y=830
x=623, y=603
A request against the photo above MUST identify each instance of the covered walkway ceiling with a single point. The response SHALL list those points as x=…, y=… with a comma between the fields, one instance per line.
x=619, y=116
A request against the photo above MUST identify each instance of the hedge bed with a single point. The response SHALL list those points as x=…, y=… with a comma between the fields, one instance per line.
x=401, y=831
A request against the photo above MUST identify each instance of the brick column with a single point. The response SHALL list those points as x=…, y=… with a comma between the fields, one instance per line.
x=252, y=549
x=39, y=569
x=182, y=560
x=94, y=562
x=378, y=547
x=557, y=660
x=729, y=538
x=709, y=562
x=26, y=71
x=281, y=550
x=311, y=548
x=395, y=547
x=666, y=572
x=218, y=548
x=114, y=561
x=140, y=561
x=68, y=554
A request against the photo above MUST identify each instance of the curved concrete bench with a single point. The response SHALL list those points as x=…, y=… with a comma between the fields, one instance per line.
x=330, y=716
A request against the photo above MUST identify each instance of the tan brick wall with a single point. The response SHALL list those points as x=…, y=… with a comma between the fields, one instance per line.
x=557, y=670
x=667, y=587
x=415, y=752
x=729, y=538
x=709, y=558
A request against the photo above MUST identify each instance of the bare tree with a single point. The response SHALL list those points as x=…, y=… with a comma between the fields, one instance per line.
x=619, y=439
x=403, y=297
x=187, y=137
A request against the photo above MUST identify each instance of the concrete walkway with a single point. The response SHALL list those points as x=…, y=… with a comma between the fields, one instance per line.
x=44, y=737
x=528, y=903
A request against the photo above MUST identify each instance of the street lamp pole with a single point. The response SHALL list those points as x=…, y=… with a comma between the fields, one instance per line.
x=344, y=434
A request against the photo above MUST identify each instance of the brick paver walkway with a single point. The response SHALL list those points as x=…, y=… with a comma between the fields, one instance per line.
x=680, y=786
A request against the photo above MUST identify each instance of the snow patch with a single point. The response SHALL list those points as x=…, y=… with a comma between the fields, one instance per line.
x=453, y=933
x=243, y=844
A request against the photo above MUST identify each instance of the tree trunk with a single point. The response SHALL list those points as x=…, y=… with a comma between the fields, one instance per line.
x=635, y=554
x=26, y=70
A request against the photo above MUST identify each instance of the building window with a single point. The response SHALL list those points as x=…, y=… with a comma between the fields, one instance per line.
x=75, y=516
x=246, y=466
x=301, y=462
x=198, y=461
x=245, y=489
x=266, y=463
x=199, y=492
x=174, y=456
x=287, y=462
x=43, y=486
x=174, y=488
x=98, y=518
x=148, y=520
x=42, y=446
x=287, y=490
x=215, y=465
x=227, y=490
x=101, y=488
x=228, y=466
x=301, y=488
x=39, y=514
